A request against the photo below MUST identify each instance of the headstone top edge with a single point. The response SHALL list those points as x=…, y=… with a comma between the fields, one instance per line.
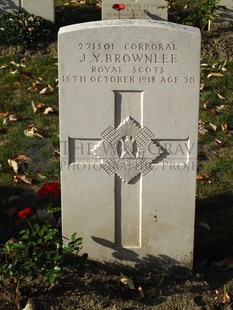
x=128, y=22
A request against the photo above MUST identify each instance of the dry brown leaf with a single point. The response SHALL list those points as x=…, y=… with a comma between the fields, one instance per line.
x=18, y=161
x=16, y=84
x=34, y=108
x=214, y=74
x=203, y=176
x=202, y=85
x=30, y=305
x=141, y=293
x=32, y=131
x=204, y=225
x=17, y=64
x=219, y=142
x=11, y=118
x=222, y=296
x=43, y=91
x=213, y=126
x=225, y=128
x=221, y=107
x=212, y=111
x=24, y=77
x=41, y=176
x=201, y=128
x=50, y=89
x=4, y=114
x=127, y=281
x=16, y=71
x=221, y=97
x=48, y=110
x=22, y=178
x=56, y=152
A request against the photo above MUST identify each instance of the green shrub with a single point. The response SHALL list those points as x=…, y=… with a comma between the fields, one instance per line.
x=192, y=12
x=23, y=29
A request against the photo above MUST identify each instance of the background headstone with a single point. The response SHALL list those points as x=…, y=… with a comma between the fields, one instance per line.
x=43, y=8
x=129, y=101
x=224, y=11
x=9, y=6
x=140, y=9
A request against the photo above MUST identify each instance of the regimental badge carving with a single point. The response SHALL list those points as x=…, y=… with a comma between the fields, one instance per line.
x=126, y=150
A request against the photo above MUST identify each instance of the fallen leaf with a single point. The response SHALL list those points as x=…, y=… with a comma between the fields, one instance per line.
x=24, y=77
x=141, y=293
x=202, y=86
x=43, y=91
x=41, y=176
x=214, y=74
x=22, y=178
x=201, y=177
x=32, y=131
x=30, y=305
x=17, y=64
x=219, y=142
x=221, y=107
x=3, y=66
x=16, y=71
x=221, y=97
x=18, y=162
x=11, y=118
x=212, y=111
x=16, y=84
x=204, y=225
x=225, y=128
x=203, y=131
x=48, y=110
x=222, y=296
x=213, y=126
x=127, y=282
x=34, y=108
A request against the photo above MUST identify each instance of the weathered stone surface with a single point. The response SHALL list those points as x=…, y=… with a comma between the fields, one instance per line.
x=129, y=98
x=43, y=8
x=141, y=9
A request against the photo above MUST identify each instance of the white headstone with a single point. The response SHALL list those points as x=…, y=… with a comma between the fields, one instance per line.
x=43, y=8
x=9, y=6
x=129, y=96
x=139, y=9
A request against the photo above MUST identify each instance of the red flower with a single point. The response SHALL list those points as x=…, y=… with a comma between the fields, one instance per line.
x=24, y=213
x=118, y=6
x=50, y=188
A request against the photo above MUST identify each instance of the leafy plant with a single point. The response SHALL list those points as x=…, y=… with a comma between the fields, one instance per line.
x=37, y=249
x=193, y=13
x=23, y=29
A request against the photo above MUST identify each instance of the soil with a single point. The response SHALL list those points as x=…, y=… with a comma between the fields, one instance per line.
x=100, y=286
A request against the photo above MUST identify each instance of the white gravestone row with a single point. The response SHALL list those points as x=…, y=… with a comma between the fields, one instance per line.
x=129, y=94
x=43, y=8
x=142, y=9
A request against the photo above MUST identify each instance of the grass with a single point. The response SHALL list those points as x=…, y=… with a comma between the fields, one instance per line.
x=17, y=99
